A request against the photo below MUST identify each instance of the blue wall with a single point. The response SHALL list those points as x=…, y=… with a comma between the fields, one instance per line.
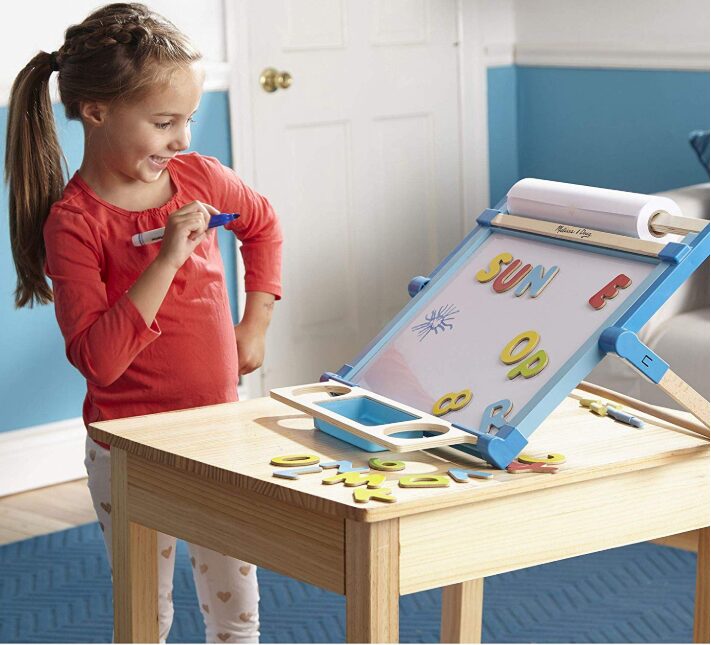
x=503, y=131
x=623, y=129
x=37, y=383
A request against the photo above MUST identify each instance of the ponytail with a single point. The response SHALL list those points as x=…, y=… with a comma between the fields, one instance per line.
x=33, y=171
x=117, y=52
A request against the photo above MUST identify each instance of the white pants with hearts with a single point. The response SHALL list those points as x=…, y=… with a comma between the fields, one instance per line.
x=226, y=588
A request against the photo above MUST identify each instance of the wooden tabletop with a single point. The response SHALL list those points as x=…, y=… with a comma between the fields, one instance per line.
x=233, y=444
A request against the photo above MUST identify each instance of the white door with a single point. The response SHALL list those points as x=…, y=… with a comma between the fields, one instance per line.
x=360, y=157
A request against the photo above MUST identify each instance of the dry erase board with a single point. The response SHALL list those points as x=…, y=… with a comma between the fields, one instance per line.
x=460, y=333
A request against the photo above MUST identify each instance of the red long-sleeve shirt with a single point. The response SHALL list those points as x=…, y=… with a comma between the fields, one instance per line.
x=187, y=357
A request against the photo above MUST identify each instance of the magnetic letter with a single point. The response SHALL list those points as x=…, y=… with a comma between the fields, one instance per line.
x=379, y=494
x=494, y=267
x=537, y=282
x=295, y=460
x=530, y=367
x=551, y=458
x=423, y=481
x=293, y=473
x=516, y=467
x=460, y=475
x=379, y=464
x=344, y=467
x=609, y=291
x=451, y=402
x=495, y=415
x=355, y=479
x=531, y=339
x=505, y=282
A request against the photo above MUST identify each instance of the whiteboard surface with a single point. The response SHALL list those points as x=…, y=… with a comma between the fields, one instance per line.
x=417, y=370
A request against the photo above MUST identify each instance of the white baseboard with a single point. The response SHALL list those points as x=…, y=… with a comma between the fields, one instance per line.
x=43, y=455
x=48, y=454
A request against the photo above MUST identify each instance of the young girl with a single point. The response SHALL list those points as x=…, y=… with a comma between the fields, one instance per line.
x=149, y=327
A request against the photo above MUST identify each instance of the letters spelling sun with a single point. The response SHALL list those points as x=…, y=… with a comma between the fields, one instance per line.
x=537, y=279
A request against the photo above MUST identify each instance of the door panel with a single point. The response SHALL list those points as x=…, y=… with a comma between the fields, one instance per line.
x=360, y=157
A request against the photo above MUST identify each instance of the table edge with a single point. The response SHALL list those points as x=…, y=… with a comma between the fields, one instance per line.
x=382, y=511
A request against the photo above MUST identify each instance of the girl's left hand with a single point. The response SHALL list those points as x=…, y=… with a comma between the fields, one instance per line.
x=250, y=347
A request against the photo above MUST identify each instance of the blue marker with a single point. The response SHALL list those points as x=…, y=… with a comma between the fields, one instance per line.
x=156, y=235
x=619, y=415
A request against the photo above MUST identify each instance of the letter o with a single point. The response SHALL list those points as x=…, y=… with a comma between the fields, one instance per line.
x=531, y=339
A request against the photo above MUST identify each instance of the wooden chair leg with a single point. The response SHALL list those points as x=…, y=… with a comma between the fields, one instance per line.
x=701, y=609
x=462, y=611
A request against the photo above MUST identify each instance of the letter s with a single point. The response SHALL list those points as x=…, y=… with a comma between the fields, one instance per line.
x=494, y=267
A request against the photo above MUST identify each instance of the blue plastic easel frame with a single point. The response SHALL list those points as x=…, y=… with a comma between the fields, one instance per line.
x=618, y=334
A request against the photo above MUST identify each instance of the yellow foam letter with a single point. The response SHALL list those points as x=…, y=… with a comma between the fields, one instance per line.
x=451, y=402
x=551, y=458
x=379, y=464
x=494, y=267
x=379, y=494
x=424, y=481
x=531, y=366
x=530, y=337
x=295, y=460
x=356, y=479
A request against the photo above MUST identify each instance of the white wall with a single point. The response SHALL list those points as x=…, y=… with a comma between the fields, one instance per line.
x=644, y=34
x=498, y=32
x=661, y=34
x=604, y=33
x=28, y=26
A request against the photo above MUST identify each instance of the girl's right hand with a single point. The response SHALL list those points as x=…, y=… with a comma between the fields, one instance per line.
x=185, y=229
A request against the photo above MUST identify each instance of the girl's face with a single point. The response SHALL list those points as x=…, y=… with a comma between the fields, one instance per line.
x=140, y=137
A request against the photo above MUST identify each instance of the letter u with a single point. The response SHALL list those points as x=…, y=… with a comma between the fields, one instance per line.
x=503, y=283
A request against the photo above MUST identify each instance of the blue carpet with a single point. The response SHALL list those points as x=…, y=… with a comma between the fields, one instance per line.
x=56, y=588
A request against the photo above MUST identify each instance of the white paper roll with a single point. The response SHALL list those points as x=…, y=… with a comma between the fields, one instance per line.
x=613, y=211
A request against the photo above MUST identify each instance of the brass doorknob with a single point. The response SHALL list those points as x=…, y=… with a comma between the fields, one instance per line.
x=271, y=79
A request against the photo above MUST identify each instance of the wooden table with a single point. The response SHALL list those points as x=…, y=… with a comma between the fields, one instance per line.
x=203, y=475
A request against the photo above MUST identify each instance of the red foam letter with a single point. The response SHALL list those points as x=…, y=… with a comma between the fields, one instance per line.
x=505, y=282
x=609, y=291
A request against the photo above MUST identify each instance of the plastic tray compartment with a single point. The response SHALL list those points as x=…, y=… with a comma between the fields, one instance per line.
x=367, y=412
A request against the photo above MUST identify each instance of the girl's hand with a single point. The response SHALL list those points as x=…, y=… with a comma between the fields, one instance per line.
x=250, y=347
x=185, y=229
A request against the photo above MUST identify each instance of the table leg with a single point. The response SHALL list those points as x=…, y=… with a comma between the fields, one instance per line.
x=135, y=565
x=372, y=581
x=701, y=609
x=462, y=611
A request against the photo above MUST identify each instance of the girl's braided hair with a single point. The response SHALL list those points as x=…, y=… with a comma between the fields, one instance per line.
x=117, y=53
x=122, y=48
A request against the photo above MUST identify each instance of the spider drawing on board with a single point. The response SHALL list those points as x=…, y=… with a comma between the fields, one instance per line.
x=437, y=321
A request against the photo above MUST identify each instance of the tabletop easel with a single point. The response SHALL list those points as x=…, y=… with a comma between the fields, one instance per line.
x=374, y=419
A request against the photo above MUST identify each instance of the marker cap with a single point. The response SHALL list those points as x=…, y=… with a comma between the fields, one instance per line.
x=222, y=219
